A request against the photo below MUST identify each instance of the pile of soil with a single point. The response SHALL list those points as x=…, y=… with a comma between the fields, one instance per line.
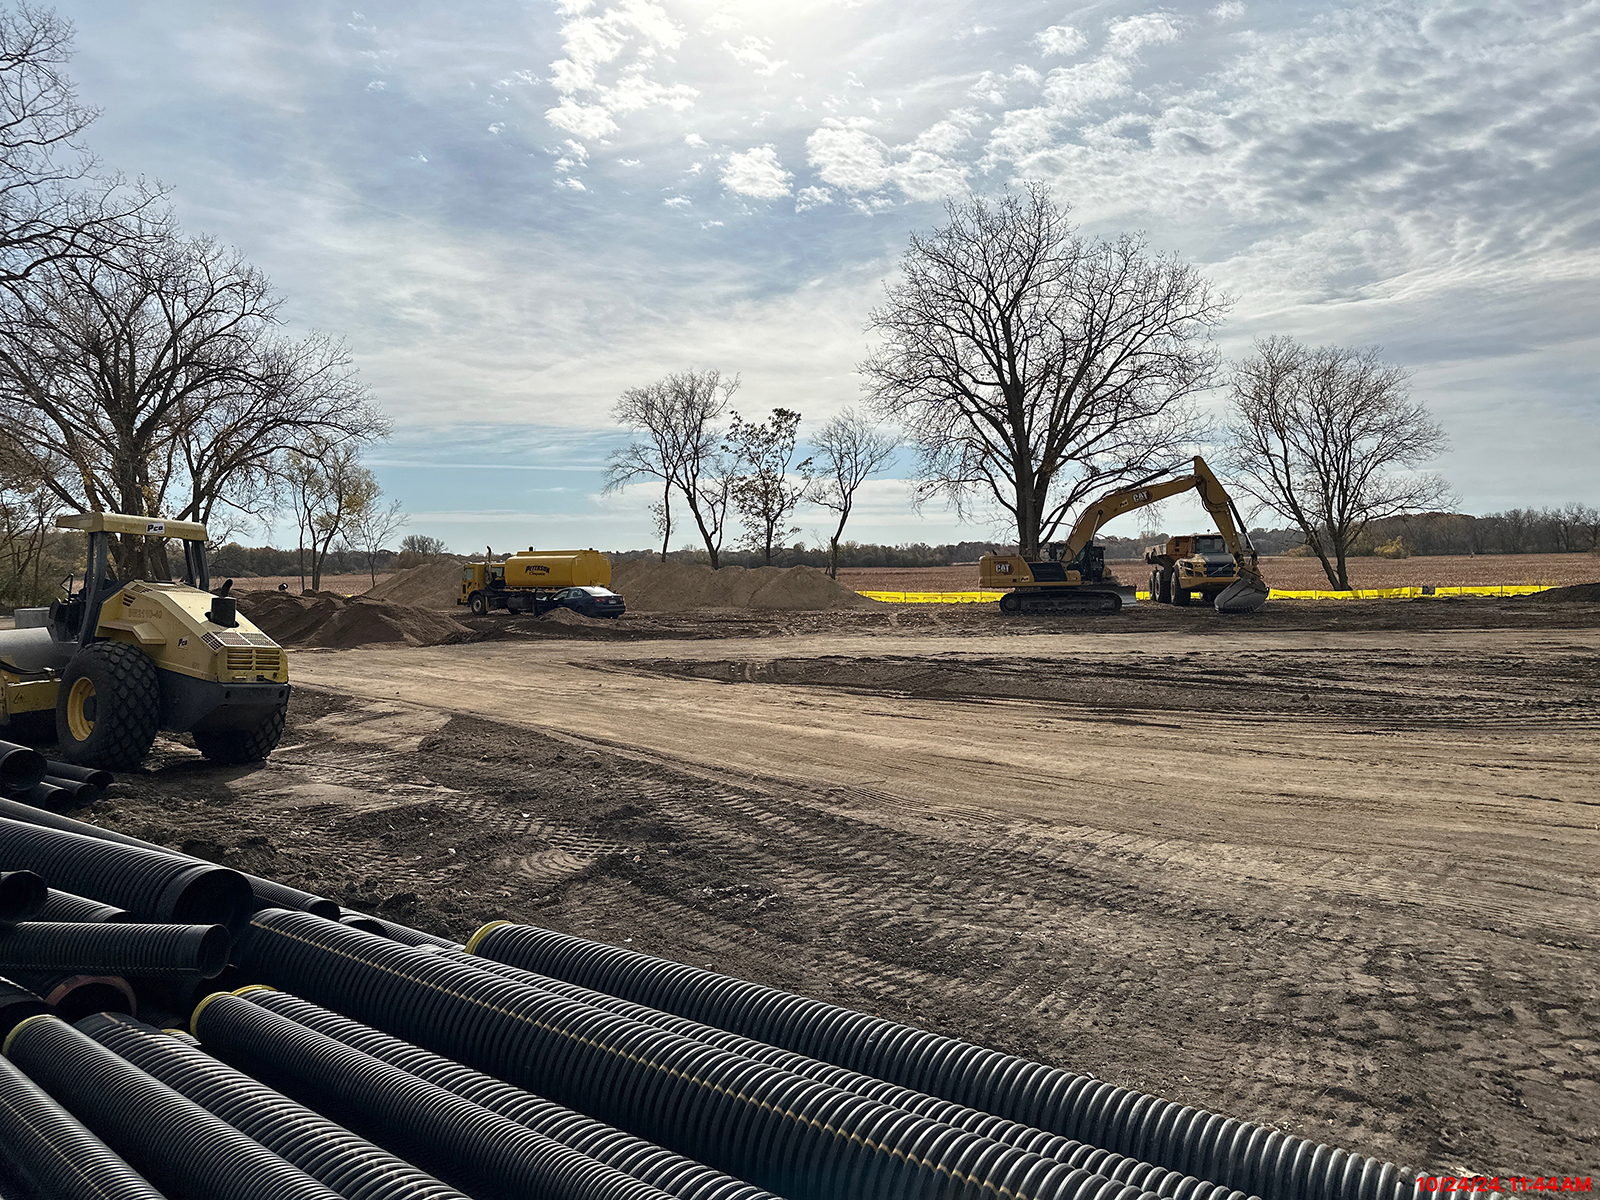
x=652, y=586
x=431, y=585
x=1582, y=593
x=327, y=620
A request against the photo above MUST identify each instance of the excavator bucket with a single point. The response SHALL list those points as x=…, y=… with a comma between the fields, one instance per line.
x=1243, y=597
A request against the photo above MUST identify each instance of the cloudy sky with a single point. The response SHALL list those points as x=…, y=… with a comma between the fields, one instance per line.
x=512, y=211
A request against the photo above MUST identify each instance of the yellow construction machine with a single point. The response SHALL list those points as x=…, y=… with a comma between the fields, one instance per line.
x=117, y=661
x=526, y=580
x=1072, y=576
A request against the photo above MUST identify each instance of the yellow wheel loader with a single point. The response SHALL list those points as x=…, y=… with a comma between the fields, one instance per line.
x=118, y=661
x=1072, y=576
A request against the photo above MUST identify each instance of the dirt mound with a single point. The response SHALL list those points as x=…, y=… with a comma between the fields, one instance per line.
x=650, y=586
x=1583, y=593
x=431, y=585
x=327, y=620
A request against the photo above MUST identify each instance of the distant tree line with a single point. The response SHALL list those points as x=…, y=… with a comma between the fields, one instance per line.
x=1570, y=529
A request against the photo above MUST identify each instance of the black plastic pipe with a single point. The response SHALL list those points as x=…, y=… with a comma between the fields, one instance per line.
x=1145, y=1176
x=22, y=895
x=65, y=906
x=17, y=1004
x=20, y=766
x=79, y=793
x=794, y=1136
x=1238, y=1154
x=154, y=884
x=93, y=776
x=134, y=951
x=672, y=1173
x=350, y=1165
x=45, y=797
x=267, y=892
x=168, y=1138
x=75, y=996
x=361, y=921
x=481, y=1150
x=407, y=936
x=56, y=1154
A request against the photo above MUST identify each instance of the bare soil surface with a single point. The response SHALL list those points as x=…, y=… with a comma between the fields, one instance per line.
x=1331, y=867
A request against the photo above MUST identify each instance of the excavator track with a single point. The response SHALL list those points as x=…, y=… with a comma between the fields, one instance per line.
x=1061, y=600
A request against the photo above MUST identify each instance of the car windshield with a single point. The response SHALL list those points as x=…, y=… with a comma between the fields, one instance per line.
x=596, y=591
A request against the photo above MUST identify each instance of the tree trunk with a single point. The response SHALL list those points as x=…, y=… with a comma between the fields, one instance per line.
x=833, y=542
x=705, y=534
x=666, y=519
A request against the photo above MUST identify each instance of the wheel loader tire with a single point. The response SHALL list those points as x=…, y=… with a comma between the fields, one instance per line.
x=1180, y=595
x=233, y=746
x=108, y=707
x=479, y=604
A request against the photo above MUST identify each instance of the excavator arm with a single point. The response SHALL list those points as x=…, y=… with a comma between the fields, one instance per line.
x=1213, y=497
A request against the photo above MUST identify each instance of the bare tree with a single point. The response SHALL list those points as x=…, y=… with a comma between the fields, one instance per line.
x=851, y=448
x=1032, y=366
x=329, y=490
x=682, y=448
x=1329, y=438
x=154, y=381
x=763, y=492
x=369, y=527
x=52, y=208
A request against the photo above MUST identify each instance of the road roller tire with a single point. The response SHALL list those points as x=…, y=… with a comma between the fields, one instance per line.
x=108, y=707
x=234, y=746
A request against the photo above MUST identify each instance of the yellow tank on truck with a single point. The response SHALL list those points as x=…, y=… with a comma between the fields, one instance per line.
x=558, y=569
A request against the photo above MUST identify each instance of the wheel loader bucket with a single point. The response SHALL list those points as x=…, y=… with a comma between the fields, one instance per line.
x=1243, y=597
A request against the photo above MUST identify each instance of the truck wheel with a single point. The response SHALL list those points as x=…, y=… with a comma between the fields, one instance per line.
x=1180, y=594
x=232, y=746
x=108, y=707
x=479, y=604
x=1154, y=587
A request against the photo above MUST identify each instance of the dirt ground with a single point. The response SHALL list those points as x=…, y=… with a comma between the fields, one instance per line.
x=1331, y=867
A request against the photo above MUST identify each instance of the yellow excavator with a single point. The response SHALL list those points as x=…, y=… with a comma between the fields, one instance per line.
x=1071, y=578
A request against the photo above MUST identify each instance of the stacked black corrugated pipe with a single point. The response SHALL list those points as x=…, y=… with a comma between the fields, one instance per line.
x=166, y=1137
x=30, y=777
x=1145, y=1176
x=1237, y=1154
x=151, y=883
x=265, y=891
x=350, y=1165
x=796, y=1136
x=682, y=1177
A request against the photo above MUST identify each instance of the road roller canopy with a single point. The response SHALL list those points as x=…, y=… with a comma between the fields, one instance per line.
x=104, y=522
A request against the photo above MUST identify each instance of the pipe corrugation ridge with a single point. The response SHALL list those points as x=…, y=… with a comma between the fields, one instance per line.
x=55, y=1153
x=481, y=1150
x=144, y=951
x=65, y=906
x=1237, y=1154
x=407, y=936
x=673, y=1173
x=794, y=1136
x=168, y=1138
x=350, y=1165
x=1127, y=1170
x=152, y=883
x=268, y=893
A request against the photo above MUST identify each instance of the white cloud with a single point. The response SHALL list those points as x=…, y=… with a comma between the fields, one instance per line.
x=591, y=45
x=811, y=197
x=752, y=52
x=497, y=127
x=569, y=182
x=694, y=139
x=756, y=173
x=377, y=85
x=853, y=160
x=1060, y=40
x=1228, y=10
x=677, y=202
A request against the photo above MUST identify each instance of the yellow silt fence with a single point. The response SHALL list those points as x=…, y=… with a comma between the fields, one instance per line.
x=1400, y=593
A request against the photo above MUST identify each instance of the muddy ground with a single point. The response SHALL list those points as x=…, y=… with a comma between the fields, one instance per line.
x=1333, y=867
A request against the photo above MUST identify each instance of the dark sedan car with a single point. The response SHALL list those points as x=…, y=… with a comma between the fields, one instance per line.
x=587, y=601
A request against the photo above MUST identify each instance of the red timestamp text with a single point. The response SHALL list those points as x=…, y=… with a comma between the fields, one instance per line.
x=1507, y=1183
